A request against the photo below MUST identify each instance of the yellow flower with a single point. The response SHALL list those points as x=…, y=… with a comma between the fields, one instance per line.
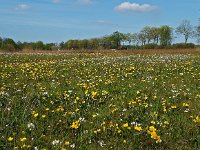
x=153, y=122
x=166, y=122
x=86, y=92
x=43, y=116
x=124, y=141
x=94, y=94
x=10, y=139
x=119, y=131
x=138, y=128
x=153, y=135
x=164, y=109
x=196, y=120
x=152, y=129
x=94, y=115
x=185, y=105
x=35, y=115
x=75, y=125
x=173, y=106
x=23, y=139
x=67, y=143
x=125, y=125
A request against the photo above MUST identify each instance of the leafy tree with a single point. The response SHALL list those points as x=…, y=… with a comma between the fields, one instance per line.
x=155, y=34
x=148, y=32
x=39, y=45
x=131, y=38
x=142, y=38
x=186, y=29
x=116, y=38
x=94, y=43
x=20, y=45
x=72, y=44
x=166, y=35
x=9, y=44
x=83, y=44
x=62, y=45
x=49, y=46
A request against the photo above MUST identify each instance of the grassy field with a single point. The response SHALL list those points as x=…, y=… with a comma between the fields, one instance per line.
x=100, y=101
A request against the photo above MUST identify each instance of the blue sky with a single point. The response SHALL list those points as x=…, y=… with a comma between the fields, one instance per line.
x=61, y=20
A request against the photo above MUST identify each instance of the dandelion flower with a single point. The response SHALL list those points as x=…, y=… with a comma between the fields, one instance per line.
x=10, y=139
x=125, y=125
x=138, y=128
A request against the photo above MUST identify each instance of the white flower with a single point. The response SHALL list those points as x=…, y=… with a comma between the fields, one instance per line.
x=35, y=148
x=101, y=143
x=187, y=110
x=55, y=142
x=31, y=126
x=72, y=145
x=70, y=91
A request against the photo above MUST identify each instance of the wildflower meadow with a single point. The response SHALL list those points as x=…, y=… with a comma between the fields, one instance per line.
x=94, y=101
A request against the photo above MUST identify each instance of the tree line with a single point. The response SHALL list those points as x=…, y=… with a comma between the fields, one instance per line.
x=148, y=38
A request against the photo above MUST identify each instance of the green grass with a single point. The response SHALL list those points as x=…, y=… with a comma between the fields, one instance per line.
x=100, y=101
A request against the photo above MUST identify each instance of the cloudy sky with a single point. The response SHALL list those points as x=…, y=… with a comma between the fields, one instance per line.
x=61, y=20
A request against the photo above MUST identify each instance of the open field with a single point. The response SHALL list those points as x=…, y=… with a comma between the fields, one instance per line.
x=107, y=100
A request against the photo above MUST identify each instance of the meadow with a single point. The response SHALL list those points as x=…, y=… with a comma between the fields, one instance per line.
x=94, y=101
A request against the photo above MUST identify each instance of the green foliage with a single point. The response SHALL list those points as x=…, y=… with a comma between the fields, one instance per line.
x=150, y=46
x=165, y=35
x=9, y=45
x=183, y=45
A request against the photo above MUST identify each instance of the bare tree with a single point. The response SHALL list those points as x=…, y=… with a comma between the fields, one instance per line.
x=197, y=34
x=186, y=29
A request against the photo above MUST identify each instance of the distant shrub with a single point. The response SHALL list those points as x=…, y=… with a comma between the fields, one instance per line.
x=160, y=47
x=150, y=46
x=183, y=45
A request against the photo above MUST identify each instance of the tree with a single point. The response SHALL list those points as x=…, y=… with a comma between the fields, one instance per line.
x=198, y=34
x=155, y=34
x=166, y=35
x=148, y=32
x=131, y=38
x=72, y=44
x=186, y=29
x=116, y=38
x=39, y=45
x=1, y=42
x=9, y=44
x=93, y=43
x=61, y=45
x=142, y=38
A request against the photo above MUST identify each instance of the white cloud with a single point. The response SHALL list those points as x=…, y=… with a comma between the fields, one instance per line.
x=23, y=7
x=56, y=1
x=85, y=2
x=135, y=7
